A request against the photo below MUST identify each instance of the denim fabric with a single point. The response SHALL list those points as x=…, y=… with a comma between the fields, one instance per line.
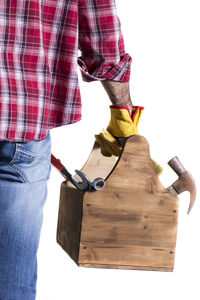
x=24, y=171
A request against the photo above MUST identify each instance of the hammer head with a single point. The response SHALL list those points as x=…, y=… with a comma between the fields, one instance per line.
x=185, y=182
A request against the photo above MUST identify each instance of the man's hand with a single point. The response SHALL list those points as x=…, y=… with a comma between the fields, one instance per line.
x=121, y=124
x=118, y=93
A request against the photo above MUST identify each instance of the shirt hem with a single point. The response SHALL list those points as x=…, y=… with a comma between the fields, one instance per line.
x=43, y=137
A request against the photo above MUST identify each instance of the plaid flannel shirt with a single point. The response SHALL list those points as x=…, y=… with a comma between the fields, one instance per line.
x=39, y=43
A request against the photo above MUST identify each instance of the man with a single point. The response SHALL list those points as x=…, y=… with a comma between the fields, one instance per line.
x=39, y=90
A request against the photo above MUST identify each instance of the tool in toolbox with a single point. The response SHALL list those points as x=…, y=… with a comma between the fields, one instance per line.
x=185, y=182
x=84, y=185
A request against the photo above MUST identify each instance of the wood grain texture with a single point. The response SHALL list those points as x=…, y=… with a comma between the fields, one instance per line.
x=71, y=202
x=98, y=165
x=69, y=220
x=132, y=222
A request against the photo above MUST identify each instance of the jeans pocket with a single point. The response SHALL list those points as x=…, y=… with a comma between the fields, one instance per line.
x=32, y=161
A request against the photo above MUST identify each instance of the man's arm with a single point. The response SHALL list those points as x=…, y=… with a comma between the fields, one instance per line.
x=103, y=56
x=118, y=93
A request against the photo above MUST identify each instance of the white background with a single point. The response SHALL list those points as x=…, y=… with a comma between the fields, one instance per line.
x=163, y=39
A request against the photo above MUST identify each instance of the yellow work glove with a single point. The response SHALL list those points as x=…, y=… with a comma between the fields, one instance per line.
x=122, y=124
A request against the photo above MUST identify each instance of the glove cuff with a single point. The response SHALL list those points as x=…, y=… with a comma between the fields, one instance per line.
x=122, y=124
x=134, y=107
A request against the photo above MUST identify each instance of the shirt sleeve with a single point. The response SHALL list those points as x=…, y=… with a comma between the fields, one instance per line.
x=101, y=42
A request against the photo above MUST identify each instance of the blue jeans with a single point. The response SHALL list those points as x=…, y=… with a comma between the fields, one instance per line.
x=24, y=171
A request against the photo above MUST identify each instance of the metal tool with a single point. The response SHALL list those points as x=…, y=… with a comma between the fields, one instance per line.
x=98, y=183
x=185, y=182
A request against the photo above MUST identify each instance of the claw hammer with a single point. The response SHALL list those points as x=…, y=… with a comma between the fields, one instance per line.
x=185, y=182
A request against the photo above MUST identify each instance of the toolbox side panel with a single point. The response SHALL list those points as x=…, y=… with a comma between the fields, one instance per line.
x=132, y=222
x=69, y=220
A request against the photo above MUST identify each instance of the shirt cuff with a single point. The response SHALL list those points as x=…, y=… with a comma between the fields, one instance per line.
x=120, y=72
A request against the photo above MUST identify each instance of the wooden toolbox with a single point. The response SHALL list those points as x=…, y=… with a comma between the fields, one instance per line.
x=130, y=224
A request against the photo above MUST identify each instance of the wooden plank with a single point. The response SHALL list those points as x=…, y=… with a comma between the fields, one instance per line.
x=127, y=255
x=69, y=220
x=133, y=220
x=127, y=267
x=98, y=165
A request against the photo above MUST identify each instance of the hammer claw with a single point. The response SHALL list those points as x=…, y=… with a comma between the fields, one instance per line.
x=185, y=182
x=192, y=199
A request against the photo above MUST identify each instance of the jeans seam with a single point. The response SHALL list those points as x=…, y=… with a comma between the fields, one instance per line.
x=12, y=167
x=32, y=155
x=16, y=169
x=28, y=153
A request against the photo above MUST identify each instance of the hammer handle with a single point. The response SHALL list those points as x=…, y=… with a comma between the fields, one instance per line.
x=177, y=166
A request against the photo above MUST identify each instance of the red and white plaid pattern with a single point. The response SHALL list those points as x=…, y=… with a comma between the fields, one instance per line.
x=39, y=42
